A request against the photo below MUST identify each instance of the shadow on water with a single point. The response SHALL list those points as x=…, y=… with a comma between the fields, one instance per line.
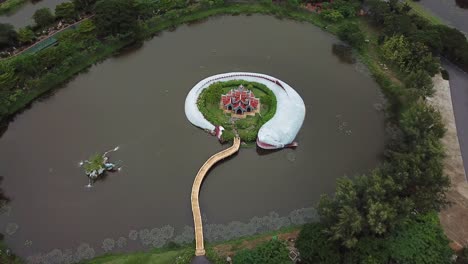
x=3, y=198
x=265, y=152
x=462, y=3
x=344, y=53
x=128, y=50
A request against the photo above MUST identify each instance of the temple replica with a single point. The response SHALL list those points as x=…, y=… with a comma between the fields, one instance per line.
x=279, y=132
x=240, y=102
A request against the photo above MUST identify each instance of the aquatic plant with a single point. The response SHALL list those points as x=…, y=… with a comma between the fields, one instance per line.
x=95, y=163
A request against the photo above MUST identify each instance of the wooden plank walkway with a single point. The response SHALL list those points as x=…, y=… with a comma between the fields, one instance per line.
x=197, y=220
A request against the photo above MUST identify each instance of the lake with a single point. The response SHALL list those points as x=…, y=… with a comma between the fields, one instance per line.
x=136, y=101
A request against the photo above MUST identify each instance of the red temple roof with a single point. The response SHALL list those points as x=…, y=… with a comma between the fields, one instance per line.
x=240, y=98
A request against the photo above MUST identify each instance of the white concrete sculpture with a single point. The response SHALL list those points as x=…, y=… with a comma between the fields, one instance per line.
x=279, y=132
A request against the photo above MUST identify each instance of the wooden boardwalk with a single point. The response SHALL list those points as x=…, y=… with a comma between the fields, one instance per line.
x=197, y=220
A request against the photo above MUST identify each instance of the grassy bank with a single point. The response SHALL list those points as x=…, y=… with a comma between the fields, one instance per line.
x=171, y=255
x=9, y=6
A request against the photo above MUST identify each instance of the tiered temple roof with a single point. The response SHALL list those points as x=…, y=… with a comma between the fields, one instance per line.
x=240, y=101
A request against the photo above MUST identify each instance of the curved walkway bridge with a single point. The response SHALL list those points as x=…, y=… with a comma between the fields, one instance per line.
x=197, y=220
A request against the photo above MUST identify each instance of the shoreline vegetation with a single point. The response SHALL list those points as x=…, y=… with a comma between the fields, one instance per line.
x=247, y=128
x=386, y=216
x=10, y=6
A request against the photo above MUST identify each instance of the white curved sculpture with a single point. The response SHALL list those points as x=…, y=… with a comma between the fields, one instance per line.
x=279, y=132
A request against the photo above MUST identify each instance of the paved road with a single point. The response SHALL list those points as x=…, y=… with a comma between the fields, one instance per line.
x=459, y=91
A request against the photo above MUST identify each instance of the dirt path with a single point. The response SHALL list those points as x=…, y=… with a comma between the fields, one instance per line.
x=454, y=219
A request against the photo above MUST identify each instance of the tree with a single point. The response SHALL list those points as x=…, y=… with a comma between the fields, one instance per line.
x=417, y=165
x=409, y=56
x=340, y=214
x=420, y=241
x=116, y=17
x=367, y=205
x=43, y=17
x=380, y=10
x=315, y=247
x=421, y=82
x=351, y=33
x=26, y=35
x=8, y=36
x=420, y=122
x=66, y=11
x=84, y=5
x=87, y=27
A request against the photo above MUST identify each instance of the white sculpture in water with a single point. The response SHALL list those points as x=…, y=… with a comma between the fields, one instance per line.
x=279, y=132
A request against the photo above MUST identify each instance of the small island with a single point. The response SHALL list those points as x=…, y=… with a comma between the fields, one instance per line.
x=97, y=165
x=238, y=105
x=256, y=107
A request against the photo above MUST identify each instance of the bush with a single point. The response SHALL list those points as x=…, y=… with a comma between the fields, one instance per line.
x=445, y=74
x=271, y=252
x=332, y=15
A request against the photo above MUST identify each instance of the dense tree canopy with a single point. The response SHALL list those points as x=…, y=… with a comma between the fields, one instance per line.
x=351, y=33
x=8, y=36
x=66, y=11
x=25, y=35
x=84, y=5
x=315, y=246
x=116, y=17
x=43, y=17
x=420, y=240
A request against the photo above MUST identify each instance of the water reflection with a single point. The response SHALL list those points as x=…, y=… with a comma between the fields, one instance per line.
x=344, y=53
x=462, y=3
